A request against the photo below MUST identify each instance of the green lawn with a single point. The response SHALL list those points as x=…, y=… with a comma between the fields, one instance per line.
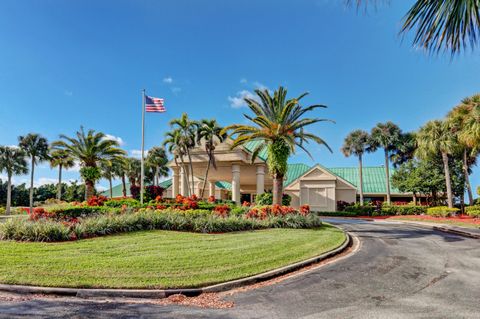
x=160, y=259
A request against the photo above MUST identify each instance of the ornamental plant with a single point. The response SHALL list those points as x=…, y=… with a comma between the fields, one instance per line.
x=97, y=200
x=305, y=210
x=222, y=210
x=211, y=199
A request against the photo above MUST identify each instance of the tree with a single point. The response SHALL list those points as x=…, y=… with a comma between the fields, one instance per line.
x=187, y=129
x=119, y=166
x=36, y=147
x=157, y=160
x=356, y=143
x=12, y=162
x=60, y=159
x=113, y=168
x=278, y=123
x=436, y=137
x=89, y=149
x=404, y=150
x=175, y=146
x=210, y=133
x=133, y=171
x=450, y=25
x=466, y=126
x=385, y=136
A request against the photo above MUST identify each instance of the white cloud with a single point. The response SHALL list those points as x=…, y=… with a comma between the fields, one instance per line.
x=260, y=86
x=168, y=80
x=243, y=81
x=176, y=90
x=238, y=100
x=138, y=153
x=45, y=180
x=114, y=138
x=76, y=167
x=101, y=188
x=68, y=93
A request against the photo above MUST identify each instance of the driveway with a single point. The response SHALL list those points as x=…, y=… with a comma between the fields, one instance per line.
x=399, y=271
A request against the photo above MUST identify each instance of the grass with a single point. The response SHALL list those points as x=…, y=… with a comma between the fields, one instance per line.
x=160, y=259
x=453, y=222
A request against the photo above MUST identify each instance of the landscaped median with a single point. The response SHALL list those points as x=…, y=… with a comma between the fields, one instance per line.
x=158, y=248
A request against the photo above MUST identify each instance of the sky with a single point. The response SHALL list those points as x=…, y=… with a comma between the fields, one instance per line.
x=64, y=64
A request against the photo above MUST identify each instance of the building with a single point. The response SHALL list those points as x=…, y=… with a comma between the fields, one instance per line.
x=237, y=178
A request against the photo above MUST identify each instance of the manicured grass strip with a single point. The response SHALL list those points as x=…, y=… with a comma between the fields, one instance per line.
x=161, y=259
x=468, y=224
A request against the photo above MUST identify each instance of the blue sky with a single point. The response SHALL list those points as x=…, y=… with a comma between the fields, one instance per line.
x=69, y=63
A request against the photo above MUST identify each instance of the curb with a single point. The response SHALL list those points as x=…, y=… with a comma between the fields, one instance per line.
x=164, y=293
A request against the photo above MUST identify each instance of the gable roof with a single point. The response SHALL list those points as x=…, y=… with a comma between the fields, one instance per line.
x=373, y=178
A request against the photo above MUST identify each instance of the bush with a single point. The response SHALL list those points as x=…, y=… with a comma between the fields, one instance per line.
x=267, y=199
x=441, y=211
x=96, y=200
x=147, y=219
x=473, y=211
x=361, y=210
x=342, y=205
x=128, y=202
x=402, y=210
x=60, y=212
x=237, y=210
x=2, y=210
x=152, y=192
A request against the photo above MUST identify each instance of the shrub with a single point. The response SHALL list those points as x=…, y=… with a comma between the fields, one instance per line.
x=337, y=214
x=135, y=191
x=222, y=210
x=64, y=212
x=342, y=205
x=96, y=200
x=147, y=219
x=211, y=199
x=236, y=210
x=407, y=209
x=473, y=211
x=152, y=192
x=441, y=211
x=2, y=210
x=267, y=199
x=361, y=209
x=128, y=202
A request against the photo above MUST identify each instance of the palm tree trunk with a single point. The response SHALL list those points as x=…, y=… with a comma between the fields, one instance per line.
x=206, y=176
x=467, y=177
x=59, y=186
x=360, y=174
x=111, y=188
x=414, y=199
x=186, y=179
x=277, y=189
x=31, y=184
x=89, y=188
x=9, y=195
x=124, y=186
x=387, y=177
x=448, y=181
x=156, y=176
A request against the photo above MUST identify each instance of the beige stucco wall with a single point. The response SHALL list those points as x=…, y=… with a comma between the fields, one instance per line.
x=318, y=194
x=346, y=195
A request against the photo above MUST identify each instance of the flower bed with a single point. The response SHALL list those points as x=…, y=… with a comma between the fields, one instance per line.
x=47, y=226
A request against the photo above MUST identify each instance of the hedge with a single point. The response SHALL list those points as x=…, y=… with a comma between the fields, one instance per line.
x=473, y=211
x=337, y=214
x=80, y=211
x=441, y=211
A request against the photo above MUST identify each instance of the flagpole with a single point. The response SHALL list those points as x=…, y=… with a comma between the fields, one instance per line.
x=142, y=172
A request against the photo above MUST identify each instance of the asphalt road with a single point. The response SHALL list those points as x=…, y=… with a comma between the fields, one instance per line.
x=399, y=271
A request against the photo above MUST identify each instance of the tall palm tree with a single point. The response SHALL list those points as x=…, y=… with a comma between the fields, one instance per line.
x=36, y=147
x=106, y=170
x=210, y=133
x=12, y=162
x=278, y=123
x=450, y=25
x=90, y=149
x=405, y=149
x=385, y=136
x=60, y=159
x=157, y=160
x=175, y=146
x=356, y=143
x=187, y=129
x=463, y=122
x=434, y=138
x=119, y=166
x=133, y=170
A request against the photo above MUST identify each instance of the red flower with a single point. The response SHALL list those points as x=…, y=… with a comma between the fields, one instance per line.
x=304, y=210
x=222, y=210
x=211, y=199
x=96, y=200
x=245, y=204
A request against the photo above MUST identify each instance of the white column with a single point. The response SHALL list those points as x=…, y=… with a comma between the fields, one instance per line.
x=175, y=181
x=236, y=183
x=260, y=179
x=184, y=183
x=211, y=188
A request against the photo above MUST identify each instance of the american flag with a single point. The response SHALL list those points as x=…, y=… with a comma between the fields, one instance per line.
x=154, y=104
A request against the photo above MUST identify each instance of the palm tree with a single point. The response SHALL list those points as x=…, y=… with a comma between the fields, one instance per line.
x=210, y=133
x=356, y=143
x=463, y=122
x=386, y=136
x=450, y=25
x=60, y=159
x=405, y=149
x=12, y=162
x=90, y=149
x=36, y=147
x=133, y=170
x=157, y=160
x=279, y=125
x=187, y=129
x=435, y=138
x=119, y=166
x=174, y=143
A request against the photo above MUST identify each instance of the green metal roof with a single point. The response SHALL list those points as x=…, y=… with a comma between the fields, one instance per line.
x=373, y=178
x=250, y=146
